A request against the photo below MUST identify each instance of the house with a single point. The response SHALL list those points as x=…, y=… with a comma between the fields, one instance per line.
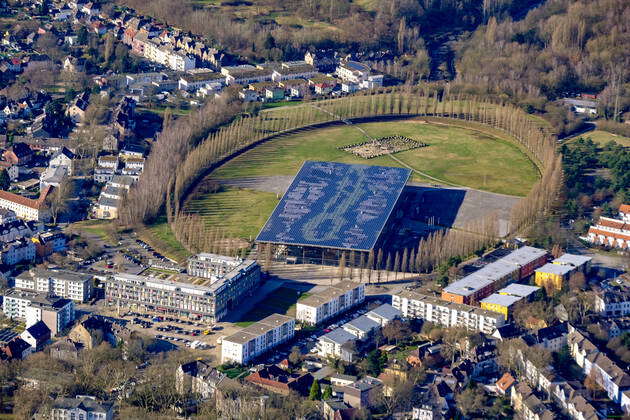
x=337, y=410
x=17, y=349
x=81, y=407
x=610, y=232
x=19, y=250
x=624, y=212
x=339, y=379
x=613, y=302
x=93, y=330
x=200, y=378
x=505, y=383
x=62, y=158
x=288, y=71
x=580, y=106
x=65, y=349
x=528, y=405
x=572, y=402
x=53, y=177
x=18, y=154
x=74, y=65
x=362, y=393
x=275, y=379
x=295, y=88
x=76, y=110
x=37, y=335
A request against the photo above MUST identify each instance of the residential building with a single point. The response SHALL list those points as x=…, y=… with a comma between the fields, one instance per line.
x=572, y=402
x=257, y=339
x=361, y=327
x=447, y=314
x=18, y=154
x=63, y=283
x=245, y=77
x=48, y=243
x=610, y=232
x=198, y=377
x=384, y=314
x=93, y=330
x=17, y=251
x=624, y=212
x=81, y=407
x=580, y=106
x=362, y=393
x=505, y=383
x=26, y=208
x=552, y=338
x=553, y=276
x=613, y=302
x=527, y=259
x=287, y=72
x=37, y=335
x=353, y=71
x=329, y=303
x=612, y=378
x=65, y=349
x=500, y=303
x=17, y=349
x=62, y=158
x=339, y=343
x=194, y=81
x=57, y=313
x=528, y=405
x=76, y=109
x=275, y=379
x=337, y=410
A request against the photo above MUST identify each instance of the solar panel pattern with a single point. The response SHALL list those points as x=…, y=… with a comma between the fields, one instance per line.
x=335, y=205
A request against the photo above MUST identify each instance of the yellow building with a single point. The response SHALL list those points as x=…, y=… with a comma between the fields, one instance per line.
x=500, y=303
x=553, y=276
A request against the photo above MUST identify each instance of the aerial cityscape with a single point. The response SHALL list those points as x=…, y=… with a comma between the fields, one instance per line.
x=314, y=210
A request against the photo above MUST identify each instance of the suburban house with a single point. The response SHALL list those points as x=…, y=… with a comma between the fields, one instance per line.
x=18, y=154
x=37, y=335
x=200, y=378
x=610, y=232
x=277, y=380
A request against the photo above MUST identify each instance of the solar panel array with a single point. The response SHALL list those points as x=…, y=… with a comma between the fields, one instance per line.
x=335, y=205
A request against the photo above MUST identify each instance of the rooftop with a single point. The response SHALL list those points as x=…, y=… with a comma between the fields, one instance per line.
x=515, y=289
x=335, y=205
x=385, y=311
x=524, y=255
x=555, y=269
x=338, y=336
x=258, y=328
x=572, y=259
x=503, y=300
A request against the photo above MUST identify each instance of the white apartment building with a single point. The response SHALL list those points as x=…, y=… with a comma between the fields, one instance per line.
x=337, y=344
x=81, y=407
x=447, y=314
x=17, y=251
x=335, y=300
x=32, y=307
x=24, y=208
x=613, y=303
x=62, y=283
x=257, y=339
x=610, y=232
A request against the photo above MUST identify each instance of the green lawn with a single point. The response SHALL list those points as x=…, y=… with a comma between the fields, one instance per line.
x=160, y=236
x=241, y=212
x=281, y=300
x=101, y=228
x=455, y=155
x=602, y=137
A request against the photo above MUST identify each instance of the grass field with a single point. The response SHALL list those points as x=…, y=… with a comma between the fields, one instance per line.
x=240, y=212
x=455, y=155
x=281, y=300
x=602, y=137
x=160, y=236
x=101, y=228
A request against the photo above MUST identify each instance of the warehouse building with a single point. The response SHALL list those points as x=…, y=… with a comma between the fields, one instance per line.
x=447, y=314
x=257, y=339
x=333, y=301
x=209, y=300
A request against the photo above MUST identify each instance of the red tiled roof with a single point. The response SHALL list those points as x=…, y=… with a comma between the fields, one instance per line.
x=611, y=223
x=505, y=382
x=27, y=202
x=594, y=230
x=624, y=208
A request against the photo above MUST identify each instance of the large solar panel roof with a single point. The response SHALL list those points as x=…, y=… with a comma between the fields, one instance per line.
x=335, y=205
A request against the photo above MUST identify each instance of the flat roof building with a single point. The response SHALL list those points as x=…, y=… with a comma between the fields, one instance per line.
x=329, y=303
x=553, y=276
x=447, y=314
x=32, y=307
x=64, y=283
x=516, y=289
x=210, y=300
x=579, y=262
x=500, y=303
x=257, y=339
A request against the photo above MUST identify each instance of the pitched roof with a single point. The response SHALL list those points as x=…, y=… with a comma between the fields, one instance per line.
x=24, y=201
x=505, y=382
x=39, y=330
x=624, y=208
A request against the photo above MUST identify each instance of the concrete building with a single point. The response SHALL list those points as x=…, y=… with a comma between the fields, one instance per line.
x=610, y=232
x=554, y=276
x=362, y=393
x=500, y=303
x=361, y=327
x=384, y=314
x=63, y=283
x=25, y=208
x=578, y=262
x=198, y=377
x=257, y=339
x=447, y=314
x=333, y=301
x=57, y=313
x=521, y=290
x=81, y=407
x=210, y=301
x=19, y=250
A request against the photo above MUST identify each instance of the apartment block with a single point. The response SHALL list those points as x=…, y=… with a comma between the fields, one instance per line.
x=32, y=307
x=333, y=301
x=257, y=339
x=210, y=300
x=447, y=314
x=63, y=283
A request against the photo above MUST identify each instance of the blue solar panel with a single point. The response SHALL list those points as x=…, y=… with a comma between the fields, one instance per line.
x=335, y=205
